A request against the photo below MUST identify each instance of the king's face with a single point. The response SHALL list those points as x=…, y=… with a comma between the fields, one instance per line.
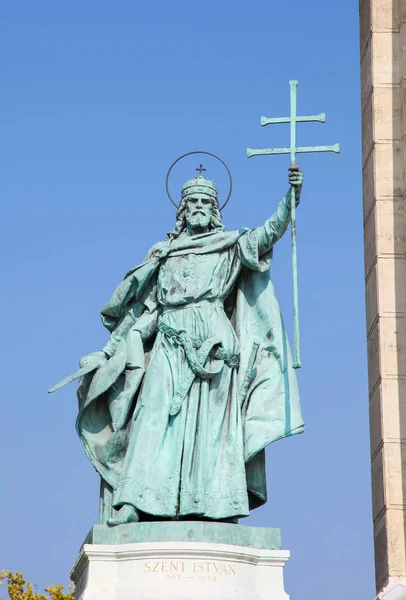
x=198, y=211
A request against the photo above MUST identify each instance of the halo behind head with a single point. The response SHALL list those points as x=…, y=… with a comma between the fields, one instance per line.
x=203, y=182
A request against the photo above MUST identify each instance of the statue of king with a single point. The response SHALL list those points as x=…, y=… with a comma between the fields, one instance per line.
x=196, y=378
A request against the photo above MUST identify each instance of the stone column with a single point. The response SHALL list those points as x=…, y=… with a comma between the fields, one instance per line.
x=383, y=50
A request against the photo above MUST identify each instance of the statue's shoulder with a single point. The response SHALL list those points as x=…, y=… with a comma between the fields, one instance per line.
x=157, y=250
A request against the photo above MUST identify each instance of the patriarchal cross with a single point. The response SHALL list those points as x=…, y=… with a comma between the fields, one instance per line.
x=293, y=150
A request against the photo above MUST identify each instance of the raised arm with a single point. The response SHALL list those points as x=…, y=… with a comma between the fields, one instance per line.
x=274, y=228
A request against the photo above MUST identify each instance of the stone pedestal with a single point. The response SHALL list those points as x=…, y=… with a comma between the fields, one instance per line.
x=181, y=567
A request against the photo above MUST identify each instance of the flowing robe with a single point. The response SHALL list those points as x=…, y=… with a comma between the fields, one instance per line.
x=198, y=326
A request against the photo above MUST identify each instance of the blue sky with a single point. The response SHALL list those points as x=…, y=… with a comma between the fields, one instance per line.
x=98, y=98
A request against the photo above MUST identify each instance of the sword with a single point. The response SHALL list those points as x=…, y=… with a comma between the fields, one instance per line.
x=82, y=371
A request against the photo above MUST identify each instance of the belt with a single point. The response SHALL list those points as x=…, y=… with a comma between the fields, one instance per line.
x=200, y=304
x=197, y=352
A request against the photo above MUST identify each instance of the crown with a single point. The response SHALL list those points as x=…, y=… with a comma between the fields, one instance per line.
x=199, y=185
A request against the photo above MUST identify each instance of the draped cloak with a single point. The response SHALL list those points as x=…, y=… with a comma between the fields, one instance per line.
x=190, y=444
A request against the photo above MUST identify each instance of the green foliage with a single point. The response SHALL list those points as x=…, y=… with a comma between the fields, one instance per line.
x=19, y=589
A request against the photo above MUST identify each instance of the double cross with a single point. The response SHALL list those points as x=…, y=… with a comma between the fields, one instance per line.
x=293, y=120
x=293, y=150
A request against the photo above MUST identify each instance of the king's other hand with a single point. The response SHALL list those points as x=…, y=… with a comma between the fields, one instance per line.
x=96, y=358
x=296, y=181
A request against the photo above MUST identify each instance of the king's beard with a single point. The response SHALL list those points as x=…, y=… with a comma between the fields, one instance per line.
x=198, y=222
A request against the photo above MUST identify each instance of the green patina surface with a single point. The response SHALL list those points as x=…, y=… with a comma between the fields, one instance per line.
x=267, y=538
x=195, y=380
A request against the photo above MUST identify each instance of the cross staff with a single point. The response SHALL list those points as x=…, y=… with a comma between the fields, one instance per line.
x=293, y=150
